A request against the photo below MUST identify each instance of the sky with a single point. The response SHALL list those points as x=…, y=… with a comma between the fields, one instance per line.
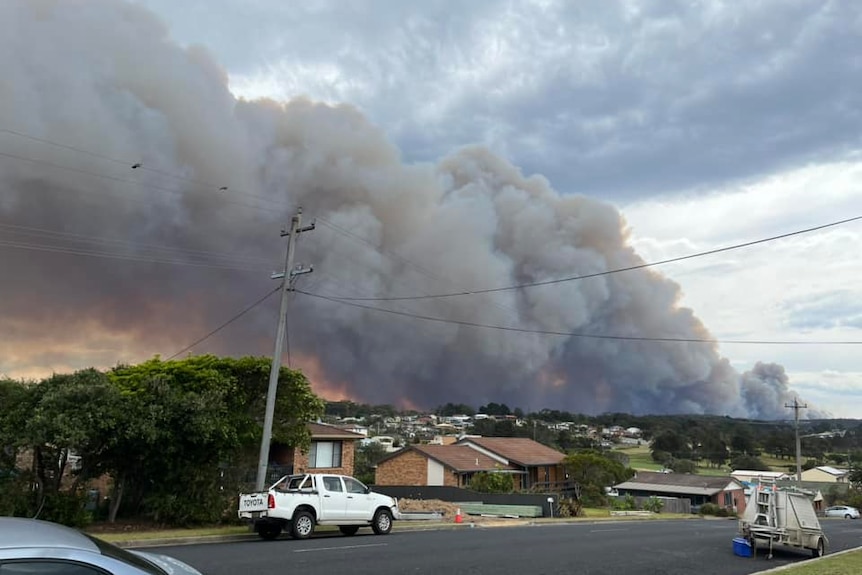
x=444, y=146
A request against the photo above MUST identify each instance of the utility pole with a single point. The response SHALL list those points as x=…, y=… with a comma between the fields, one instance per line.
x=286, y=286
x=796, y=406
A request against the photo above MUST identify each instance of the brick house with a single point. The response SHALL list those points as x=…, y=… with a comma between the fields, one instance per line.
x=724, y=491
x=539, y=466
x=531, y=463
x=332, y=451
x=449, y=465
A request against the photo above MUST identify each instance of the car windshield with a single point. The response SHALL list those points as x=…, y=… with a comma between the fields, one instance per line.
x=120, y=554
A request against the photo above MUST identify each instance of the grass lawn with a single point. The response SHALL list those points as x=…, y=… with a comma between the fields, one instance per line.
x=842, y=564
x=640, y=458
x=169, y=533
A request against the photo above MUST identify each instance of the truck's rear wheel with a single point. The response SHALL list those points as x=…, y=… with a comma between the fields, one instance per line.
x=269, y=530
x=382, y=523
x=349, y=529
x=302, y=525
x=820, y=550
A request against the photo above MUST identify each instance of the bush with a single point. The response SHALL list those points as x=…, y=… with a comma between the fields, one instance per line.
x=653, y=504
x=570, y=507
x=493, y=482
x=722, y=512
x=709, y=509
x=66, y=508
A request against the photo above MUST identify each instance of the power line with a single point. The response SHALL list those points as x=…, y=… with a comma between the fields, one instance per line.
x=111, y=242
x=604, y=273
x=225, y=324
x=573, y=334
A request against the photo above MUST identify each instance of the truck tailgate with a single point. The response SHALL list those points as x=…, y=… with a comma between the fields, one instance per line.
x=250, y=503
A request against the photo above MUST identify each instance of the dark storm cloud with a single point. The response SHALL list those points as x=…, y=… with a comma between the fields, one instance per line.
x=105, y=77
x=610, y=98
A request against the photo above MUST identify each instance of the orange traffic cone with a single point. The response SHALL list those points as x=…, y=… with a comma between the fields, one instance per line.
x=458, y=518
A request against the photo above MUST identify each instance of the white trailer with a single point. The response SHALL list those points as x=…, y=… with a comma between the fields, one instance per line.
x=780, y=517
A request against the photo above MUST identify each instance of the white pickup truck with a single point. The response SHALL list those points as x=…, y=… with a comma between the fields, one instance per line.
x=298, y=503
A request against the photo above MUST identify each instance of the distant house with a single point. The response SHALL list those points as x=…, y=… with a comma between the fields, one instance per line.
x=726, y=492
x=332, y=451
x=531, y=463
x=449, y=465
x=825, y=474
x=753, y=476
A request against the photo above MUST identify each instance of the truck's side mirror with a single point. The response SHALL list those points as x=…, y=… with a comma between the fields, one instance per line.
x=367, y=490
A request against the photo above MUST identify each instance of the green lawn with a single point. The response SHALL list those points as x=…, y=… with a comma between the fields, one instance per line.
x=843, y=564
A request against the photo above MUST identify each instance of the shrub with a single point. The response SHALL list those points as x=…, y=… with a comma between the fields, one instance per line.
x=66, y=508
x=722, y=512
x=570, y=507
x=653, y=504
x=485, y=482
x=709, y=509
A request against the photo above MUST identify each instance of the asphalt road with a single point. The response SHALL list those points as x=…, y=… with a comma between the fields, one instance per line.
x=613, y=548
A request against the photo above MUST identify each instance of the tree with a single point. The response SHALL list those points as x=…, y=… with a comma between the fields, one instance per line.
x=671, y=442
x=592, y=472
x=366, y=460
x=748, y=462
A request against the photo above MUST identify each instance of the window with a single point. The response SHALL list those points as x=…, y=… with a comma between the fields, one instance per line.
x=332, y=483
x=325, y=454
x=354, y=486
x=47, y=568
x=728, y=499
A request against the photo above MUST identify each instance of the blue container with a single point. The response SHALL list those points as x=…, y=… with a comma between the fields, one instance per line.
x=741, y=547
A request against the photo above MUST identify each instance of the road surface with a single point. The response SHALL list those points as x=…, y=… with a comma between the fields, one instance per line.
x=612, y=548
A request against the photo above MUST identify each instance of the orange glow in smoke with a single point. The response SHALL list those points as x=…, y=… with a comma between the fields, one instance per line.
x=320, y=385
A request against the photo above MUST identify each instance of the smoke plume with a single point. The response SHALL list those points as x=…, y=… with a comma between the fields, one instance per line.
x=103, y=262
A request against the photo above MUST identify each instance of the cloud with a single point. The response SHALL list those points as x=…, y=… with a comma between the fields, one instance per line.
x=614, y=99
x=101, y=252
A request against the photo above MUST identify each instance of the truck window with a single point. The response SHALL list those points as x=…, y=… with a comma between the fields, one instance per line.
x=332, y=483
x=354, y=486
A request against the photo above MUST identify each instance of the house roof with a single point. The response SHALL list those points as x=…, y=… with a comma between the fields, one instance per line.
x=519, y=450
x=832, y=470
x=324, y=431
x=461, y=458
x=680, y=483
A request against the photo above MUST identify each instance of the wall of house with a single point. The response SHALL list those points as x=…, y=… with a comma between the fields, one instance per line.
x=819, y=476
x=348, y=463
x=408, y=468
x=736, y=496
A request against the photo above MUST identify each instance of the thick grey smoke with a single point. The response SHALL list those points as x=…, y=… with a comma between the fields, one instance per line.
x=104, y=77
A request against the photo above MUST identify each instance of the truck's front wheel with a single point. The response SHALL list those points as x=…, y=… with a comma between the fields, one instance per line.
x=382, y=523
x=302, y=525
x=269, y=530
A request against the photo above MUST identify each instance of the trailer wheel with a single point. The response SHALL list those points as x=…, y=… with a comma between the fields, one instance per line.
x=302, y=525
x=820, y=550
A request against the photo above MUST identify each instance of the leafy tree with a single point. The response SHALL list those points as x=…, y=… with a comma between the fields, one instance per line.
x=495, y=409
x=451, y=409
x=592, y=472
x=748, y=462
x=683, y=466
x=366, y=460
x=671, y=442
